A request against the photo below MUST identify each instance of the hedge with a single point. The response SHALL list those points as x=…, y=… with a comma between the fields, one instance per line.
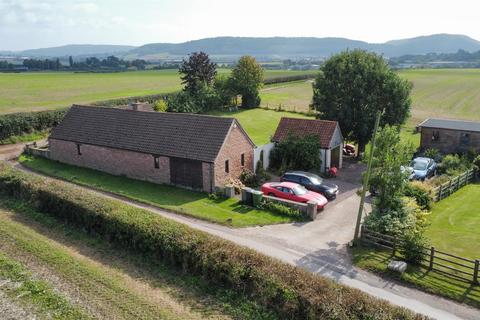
x=15, y=124
x=125, y=101
x=290, y=292
x=289, y=78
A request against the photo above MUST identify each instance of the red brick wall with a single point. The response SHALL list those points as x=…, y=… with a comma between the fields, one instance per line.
x=118, y=162
x=235, y=144
x=450, y=141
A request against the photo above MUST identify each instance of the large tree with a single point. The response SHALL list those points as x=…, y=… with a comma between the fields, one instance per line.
x=352, y=86
x=248, y=79
x=197, y=71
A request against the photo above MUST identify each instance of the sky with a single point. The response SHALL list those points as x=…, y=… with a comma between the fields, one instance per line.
x=26, y=24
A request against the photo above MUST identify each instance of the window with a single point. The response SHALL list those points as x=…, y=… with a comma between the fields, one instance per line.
x=79, y=152
x=227, y=169
x=156, y=161
x=465, y=138
x=242, y=159
x=436, y=136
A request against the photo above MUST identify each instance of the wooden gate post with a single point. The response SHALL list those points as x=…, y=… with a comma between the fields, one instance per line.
x=475, y=272
x=432, y=255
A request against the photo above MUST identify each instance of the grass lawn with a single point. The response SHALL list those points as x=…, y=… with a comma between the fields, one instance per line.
x=196, y=204
x=36, y=91
x=260, y=124
x=455, y=223
x=293, y=96
x=376, y=261
x=59, y=272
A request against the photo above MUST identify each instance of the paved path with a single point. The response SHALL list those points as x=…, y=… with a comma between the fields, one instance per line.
x=310, y=246
x=12, y=151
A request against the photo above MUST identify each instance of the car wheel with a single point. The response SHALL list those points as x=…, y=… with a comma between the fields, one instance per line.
x=271, y=194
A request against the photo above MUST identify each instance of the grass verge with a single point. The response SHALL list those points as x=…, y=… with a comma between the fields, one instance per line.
x=376, y=261
x=28, y=137
x=106, y=279
x=19, y=285
x=196, y=204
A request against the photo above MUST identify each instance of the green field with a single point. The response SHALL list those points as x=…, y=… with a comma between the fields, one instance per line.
x=260, y=124
x=49, y=90
x=455, y=223
x=448, y=93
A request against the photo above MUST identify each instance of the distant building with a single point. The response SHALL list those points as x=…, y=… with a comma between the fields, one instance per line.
x=450, y=136
x=193, y=151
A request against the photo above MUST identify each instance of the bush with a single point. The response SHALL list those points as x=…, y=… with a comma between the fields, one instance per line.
x=296, y=154
x=151, y=98
x=290, y=78
x=412, y=246
x=15, y=124
x=249, y=178
x=420, y=192
x=288, y=291
x=453, y=165
x=203, y=100
x=432, y=153
x=160, y=105
x=281, y=209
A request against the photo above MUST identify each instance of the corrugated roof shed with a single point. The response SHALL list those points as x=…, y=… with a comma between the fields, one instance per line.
x=181, y=135
x=460, y=125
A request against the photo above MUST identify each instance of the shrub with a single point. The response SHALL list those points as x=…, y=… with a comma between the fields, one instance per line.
x=15, y=124
x=412, y=246
x=453, y=165
x=281, y=209
x=296, y=153
x=432, y=153
x=248, y=178
x=420, y=192
x=288, y=291
x=160, y=105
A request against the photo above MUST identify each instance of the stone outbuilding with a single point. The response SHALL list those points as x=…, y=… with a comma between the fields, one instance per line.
x=194, y=151
x=449, y=136
x=328, y=133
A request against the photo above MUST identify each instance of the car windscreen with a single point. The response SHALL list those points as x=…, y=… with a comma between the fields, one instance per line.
x=299, y=190
x=316, y=180
x=419, y=165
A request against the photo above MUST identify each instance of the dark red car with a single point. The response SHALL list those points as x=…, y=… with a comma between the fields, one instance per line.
x=294, y=192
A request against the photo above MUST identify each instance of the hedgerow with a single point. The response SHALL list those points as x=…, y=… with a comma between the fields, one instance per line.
x=290, y=292
x=15, y=124
x=282, y=79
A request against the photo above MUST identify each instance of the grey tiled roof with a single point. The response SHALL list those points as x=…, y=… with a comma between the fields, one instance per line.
x=451, y=124
x=180, y=135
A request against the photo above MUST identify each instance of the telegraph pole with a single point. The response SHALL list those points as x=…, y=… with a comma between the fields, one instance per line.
x=367, y=178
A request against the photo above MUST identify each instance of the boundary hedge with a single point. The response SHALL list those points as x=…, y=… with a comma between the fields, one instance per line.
x=290, y=292
x=282, y=79
x=15, y=124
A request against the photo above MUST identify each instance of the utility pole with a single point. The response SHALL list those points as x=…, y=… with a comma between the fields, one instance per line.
x=367, y=178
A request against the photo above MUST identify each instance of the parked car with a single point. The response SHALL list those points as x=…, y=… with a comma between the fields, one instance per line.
x=349, y=150
x=408, y=171
x=423, y=168
x=294, y=192
x=312, y=182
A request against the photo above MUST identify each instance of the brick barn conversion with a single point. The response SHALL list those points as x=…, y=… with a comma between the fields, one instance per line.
x=449, y=136
x=328, y=133
x=193, y=151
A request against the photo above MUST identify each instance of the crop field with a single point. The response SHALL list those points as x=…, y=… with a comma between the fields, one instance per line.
x=50, y=90
x=448, y=93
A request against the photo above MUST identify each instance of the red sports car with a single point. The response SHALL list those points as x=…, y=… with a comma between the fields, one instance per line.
x=294, y=192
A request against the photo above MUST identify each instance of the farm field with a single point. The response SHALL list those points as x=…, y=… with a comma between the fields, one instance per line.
x=260, y=124
x=455, y=223
x=50, y=90
x=448, y=93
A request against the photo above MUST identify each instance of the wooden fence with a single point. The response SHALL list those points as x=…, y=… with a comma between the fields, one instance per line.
x=449, y=187
x=447, y=264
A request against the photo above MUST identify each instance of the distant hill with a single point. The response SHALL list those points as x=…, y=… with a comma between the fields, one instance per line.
x=311, y=47
x=76, y=50
x=228, y=48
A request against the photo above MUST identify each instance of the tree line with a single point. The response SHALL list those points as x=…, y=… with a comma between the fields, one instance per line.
x=205, y=90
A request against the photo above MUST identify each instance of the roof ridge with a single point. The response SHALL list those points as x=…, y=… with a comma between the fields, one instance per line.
x=304, y=119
